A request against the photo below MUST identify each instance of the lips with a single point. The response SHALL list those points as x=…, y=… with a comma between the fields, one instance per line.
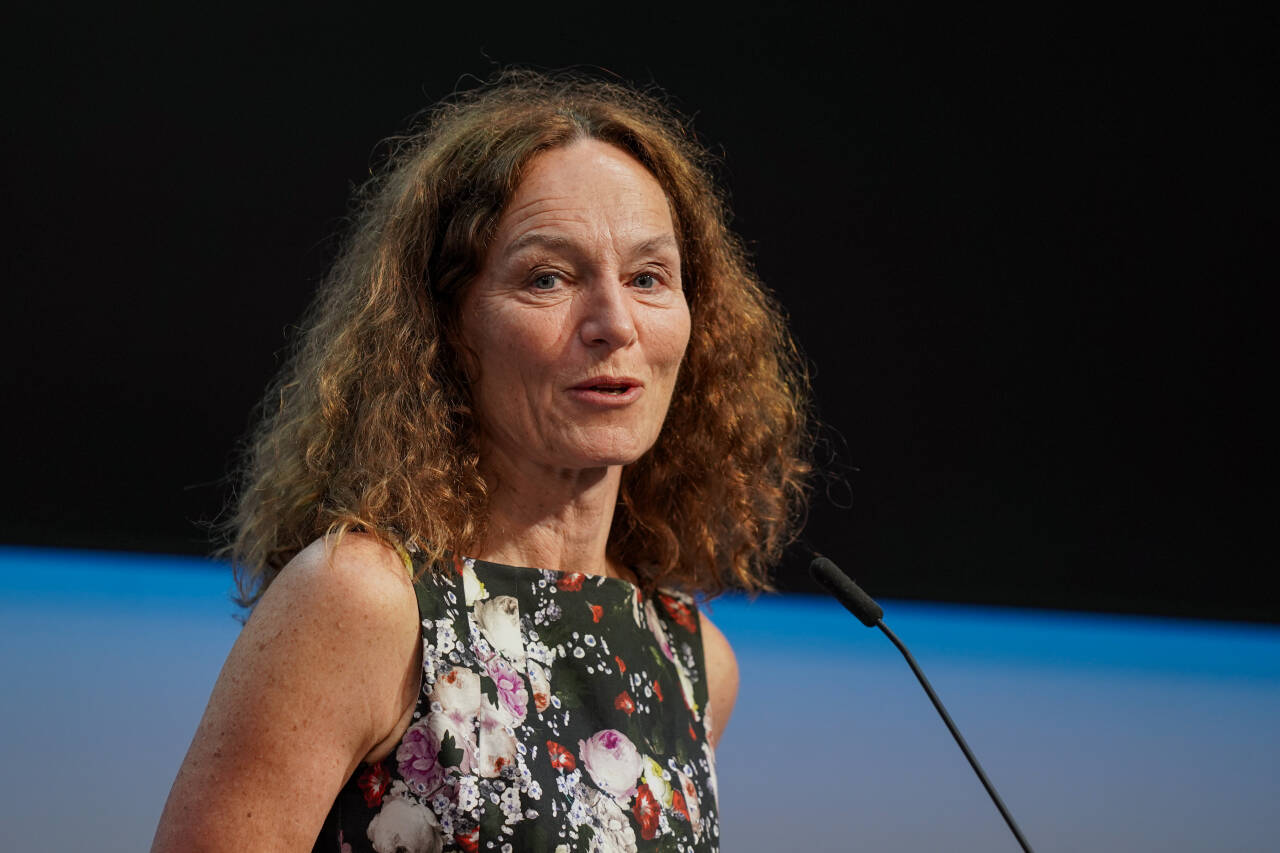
x=607, y=392
x=610, y=388
x=618, y=385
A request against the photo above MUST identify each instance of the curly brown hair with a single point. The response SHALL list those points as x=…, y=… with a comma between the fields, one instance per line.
x=370, y=426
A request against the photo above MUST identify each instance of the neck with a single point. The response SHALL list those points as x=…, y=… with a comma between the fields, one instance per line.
x=550, y=518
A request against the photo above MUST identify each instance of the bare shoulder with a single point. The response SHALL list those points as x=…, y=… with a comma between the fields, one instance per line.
x=350, y=607
x=319, y=680
x=342, y=616
x=722, y=677
x=356, y=577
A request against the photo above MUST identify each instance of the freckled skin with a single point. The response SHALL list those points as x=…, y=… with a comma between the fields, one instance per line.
x=582, y=280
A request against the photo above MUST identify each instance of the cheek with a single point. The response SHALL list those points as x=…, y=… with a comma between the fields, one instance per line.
x=673, y=339
x=529, y=344
x=519, y=350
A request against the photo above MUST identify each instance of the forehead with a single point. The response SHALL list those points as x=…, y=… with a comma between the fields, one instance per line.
x=589, y=190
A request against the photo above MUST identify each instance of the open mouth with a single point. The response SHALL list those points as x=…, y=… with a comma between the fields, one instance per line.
x=622, y=387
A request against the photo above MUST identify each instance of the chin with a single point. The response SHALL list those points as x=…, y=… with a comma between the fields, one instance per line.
x=611, y=453
x=598, y=446
x=608, y=460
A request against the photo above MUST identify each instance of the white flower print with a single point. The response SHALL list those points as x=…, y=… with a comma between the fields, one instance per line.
x=446, y=637
x=658, y=786
x=686, y=687
x=656, y=627
x=541, y=686
x=710, y=755
x=612, y=828
x=690, y=792
x=472, y=589
x=458, y=692
x=613, y=762
x=405, y=826
x=552, y=712
x=499, y=621
x=497, y=743
x=468, y=793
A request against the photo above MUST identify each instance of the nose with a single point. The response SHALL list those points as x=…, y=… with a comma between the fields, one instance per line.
x=607, y=319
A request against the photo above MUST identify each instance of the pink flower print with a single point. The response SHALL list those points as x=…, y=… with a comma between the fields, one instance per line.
x=432, y=749
x=418, y=758
x=613, y=762
x=513, y=697
x=655, y=626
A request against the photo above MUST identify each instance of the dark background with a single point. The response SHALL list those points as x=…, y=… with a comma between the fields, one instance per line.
x=1023, y=253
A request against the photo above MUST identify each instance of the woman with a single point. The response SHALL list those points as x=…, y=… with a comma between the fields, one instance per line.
x=541, y=349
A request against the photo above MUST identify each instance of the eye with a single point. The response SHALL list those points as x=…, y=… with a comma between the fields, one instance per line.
x=646, y=281
x=546, y=281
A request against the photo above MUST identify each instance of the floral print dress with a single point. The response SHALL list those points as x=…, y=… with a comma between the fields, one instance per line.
x=558, y=712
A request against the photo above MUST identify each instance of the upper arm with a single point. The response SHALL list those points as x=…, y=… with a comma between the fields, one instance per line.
x=722, y=679
x=316, y=680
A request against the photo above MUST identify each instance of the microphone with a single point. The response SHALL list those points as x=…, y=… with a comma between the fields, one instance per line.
x=848, y=593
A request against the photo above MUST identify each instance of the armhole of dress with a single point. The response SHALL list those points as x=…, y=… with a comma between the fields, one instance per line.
x=426, y=590
x=702, y=659
x=708, y=712
x=702, y=687
x=709, y=707
x=424, y=587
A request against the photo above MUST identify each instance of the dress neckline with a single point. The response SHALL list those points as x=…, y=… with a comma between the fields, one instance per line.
x=587, y=576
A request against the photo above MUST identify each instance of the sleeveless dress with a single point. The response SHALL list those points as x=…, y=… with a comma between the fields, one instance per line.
x=558, y=712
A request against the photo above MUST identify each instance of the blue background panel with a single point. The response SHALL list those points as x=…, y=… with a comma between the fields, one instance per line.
x=1102, y=733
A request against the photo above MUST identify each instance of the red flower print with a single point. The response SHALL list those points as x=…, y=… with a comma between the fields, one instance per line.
x=692, y=733
x=470, y=841
x=622, y=667
x=571, y=582
x=596, y=611
x=680, y=612
x=657, y=689
x=561, y=758
x=677, y=804
x=457, y=564
x=374, y=784
x=624, y=703
x=646, y=810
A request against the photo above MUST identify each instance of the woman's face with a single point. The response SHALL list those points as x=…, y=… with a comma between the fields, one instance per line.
x=577, y=321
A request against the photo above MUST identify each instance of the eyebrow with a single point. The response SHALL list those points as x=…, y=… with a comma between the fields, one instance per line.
x=557, y=242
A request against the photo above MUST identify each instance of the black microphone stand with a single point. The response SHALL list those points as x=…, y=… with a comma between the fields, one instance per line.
x=848, y=593
x=955, y=733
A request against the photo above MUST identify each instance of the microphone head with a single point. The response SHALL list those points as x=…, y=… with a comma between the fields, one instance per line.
x=848, y=593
